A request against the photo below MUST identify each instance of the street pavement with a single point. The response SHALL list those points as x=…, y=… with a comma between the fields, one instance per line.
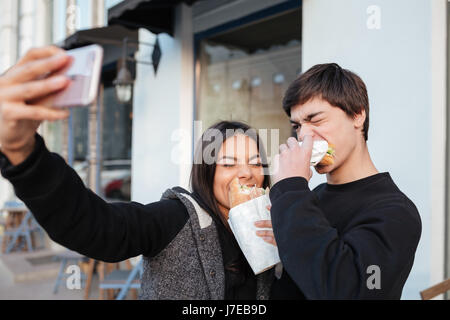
x=20, y=283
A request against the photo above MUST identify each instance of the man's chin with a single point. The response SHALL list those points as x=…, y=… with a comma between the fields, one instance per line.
x=322, y=169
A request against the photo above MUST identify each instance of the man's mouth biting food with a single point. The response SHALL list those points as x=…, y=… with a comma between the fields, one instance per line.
x=323, y=153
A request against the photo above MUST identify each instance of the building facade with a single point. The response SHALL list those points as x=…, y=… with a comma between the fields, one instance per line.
x=397, y=47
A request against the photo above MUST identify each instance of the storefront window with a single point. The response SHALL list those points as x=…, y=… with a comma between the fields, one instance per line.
x=115, y=167
x=80, y=133
x=245, y=72
x=116, y=148
x=117, y=121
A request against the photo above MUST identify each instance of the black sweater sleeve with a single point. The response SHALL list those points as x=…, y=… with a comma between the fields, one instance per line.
x=78, y=219
x=326, y=264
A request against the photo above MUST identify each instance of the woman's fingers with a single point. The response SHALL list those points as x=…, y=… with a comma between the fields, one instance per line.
x=19, y=111
x=33, y=89
x=39, y=53
x=263, y=224
x=267, y=236
x=36, y=69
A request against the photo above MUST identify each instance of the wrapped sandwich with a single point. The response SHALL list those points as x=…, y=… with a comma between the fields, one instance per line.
x=242, y=193
x=247, y=205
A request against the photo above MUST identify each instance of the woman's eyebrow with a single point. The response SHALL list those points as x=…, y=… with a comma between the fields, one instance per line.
x=228, y=157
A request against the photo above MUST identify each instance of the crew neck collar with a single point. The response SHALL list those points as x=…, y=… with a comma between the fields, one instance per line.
x=358, y=183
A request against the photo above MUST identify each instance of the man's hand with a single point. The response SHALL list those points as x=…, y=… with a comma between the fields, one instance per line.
x=293, y=160
x=23, y=88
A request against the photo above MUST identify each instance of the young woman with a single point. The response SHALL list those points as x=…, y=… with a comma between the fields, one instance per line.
x=188, y=250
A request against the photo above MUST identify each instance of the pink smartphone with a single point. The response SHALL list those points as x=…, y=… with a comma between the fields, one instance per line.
x=84, y=71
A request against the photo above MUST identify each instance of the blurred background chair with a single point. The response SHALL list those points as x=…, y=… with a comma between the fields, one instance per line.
x=18, y=228
x=435, y=290
x=123, y=280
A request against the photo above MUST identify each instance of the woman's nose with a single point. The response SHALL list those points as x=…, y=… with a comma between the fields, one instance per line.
x=244, y=171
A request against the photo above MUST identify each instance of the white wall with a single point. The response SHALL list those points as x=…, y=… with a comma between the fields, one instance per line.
x=162, y=106
x=395, y=62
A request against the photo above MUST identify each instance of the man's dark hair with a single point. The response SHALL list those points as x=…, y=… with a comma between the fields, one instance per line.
x=339, y=87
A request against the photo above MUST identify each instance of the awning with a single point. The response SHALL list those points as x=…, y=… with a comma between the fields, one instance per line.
x=110, y=38
x=278, y=30
x=155, y=15
x=112, y=35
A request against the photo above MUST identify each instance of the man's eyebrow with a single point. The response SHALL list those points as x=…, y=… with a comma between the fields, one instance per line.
x=312, y=115
x=307, y=118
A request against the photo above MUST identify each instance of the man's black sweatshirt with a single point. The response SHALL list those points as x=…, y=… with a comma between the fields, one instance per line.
x=350, y=241
x=329, y=240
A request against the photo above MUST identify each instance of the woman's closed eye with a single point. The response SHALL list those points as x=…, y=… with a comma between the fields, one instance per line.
x=228, y=165
x=258, y=164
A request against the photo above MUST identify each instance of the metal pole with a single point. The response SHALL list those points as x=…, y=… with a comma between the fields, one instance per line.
x=67, y=129
x=70, y=140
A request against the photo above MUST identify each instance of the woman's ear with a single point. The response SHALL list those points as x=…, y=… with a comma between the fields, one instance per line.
x=358, y=119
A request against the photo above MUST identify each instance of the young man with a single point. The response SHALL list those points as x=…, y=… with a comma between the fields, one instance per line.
x=355, y=236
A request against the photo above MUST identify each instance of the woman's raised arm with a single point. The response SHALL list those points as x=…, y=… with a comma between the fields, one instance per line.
x=71, y=214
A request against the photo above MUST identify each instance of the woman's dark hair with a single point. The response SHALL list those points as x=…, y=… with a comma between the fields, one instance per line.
x=339, y=87
x=203, y=171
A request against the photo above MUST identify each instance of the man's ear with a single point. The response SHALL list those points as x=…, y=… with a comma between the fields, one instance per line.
x=358, y=119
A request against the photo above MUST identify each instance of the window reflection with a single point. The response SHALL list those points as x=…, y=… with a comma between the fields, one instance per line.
x=245, y=72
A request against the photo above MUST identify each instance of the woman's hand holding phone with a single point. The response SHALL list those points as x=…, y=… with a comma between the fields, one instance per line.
x=25, y=99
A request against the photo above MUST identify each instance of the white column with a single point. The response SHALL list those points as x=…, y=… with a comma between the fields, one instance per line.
x=183, y=33
x=98, y=13
x=8, y=33
x=438, y=137
x=27, y=32
x=162, y=110
x=8, y=56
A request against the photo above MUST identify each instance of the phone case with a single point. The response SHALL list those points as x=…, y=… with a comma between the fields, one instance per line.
x=84, y=72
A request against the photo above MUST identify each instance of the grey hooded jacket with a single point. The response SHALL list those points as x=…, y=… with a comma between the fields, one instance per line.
x=191, y=266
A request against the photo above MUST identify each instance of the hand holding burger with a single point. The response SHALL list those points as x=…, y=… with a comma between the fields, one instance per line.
x=295, y=159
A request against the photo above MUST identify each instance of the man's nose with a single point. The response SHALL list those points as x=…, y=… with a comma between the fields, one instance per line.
x=306, y=130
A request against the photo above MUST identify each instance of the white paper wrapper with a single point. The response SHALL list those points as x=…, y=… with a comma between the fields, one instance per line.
x=320, y=148
x=260, y=255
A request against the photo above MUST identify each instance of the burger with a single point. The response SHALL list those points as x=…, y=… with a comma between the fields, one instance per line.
x=322, y=153
x=328, y=158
